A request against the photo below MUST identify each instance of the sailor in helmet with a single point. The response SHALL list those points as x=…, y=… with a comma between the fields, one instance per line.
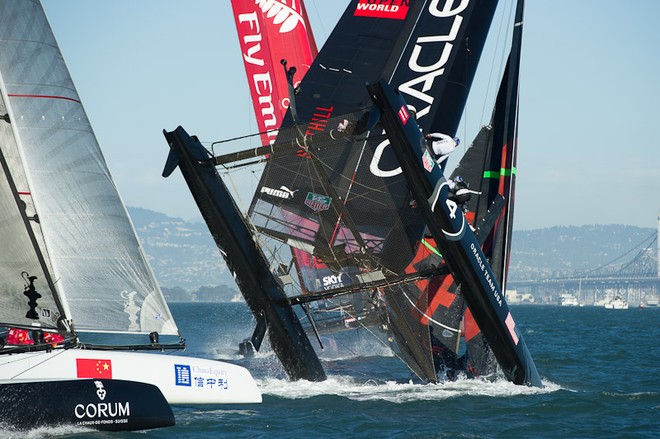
x=441, y=144
x=459, y=192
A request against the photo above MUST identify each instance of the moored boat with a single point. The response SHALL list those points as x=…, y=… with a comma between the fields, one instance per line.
x=616, y=303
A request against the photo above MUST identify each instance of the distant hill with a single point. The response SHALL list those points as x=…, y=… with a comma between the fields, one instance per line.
x=181, y=253
x=184, y=255
x=560, y=251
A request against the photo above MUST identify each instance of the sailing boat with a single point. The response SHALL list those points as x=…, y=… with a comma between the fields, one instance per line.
x=71, y=263
x=333, y=188
x=369, y=190
x=271, y=36
x=99, y=404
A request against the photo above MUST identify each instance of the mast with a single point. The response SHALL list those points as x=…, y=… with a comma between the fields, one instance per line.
x=507, y=183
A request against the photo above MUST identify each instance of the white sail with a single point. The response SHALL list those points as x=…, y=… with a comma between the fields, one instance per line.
x=98, y=266
x=19, y=261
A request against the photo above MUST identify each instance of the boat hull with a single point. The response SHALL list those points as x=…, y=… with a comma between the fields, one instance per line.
x=262, y=291
x=182, y=380
x=109, y=405
x=455, y=239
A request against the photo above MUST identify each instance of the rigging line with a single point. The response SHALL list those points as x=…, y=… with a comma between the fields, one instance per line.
x=263, y=243
x=375, y=336
x=241, y=202
x=47, y=358
x=495, y=56
x=260, y=238
x=321, y=21
x=348, y=191
x=355, y=182
x=341, y=208
x=430, y=317
x=247, y=136
x=273, y=251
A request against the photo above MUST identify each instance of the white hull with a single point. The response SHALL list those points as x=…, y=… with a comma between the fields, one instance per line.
x=182, y=380
x=617, y=304
x=568, y=300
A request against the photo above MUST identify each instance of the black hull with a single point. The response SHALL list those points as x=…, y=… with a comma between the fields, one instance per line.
x=109, y=405
x=259, y=287
x=455, y=239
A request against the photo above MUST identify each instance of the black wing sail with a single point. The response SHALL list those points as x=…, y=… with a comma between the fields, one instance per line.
x=431, y=51
x=428, y=56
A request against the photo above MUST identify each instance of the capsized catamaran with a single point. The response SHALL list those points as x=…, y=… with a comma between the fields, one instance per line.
x=423, y=47
x=333, y=189
x=489, y=166
x=266, y=30
x=273, y=35
x=71, y=263
x=278, y=49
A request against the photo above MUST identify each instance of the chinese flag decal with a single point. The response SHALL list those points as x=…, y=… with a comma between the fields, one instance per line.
x=94, y=368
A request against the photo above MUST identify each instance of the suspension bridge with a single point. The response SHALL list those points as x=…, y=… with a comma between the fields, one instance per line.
x=633, y=276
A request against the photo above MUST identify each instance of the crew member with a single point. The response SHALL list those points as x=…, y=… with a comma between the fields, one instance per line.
x=442, y=145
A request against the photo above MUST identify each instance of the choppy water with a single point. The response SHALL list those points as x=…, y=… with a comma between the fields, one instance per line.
x=601, y=370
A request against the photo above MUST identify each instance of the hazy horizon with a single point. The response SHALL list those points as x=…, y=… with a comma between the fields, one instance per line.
x=588, y=148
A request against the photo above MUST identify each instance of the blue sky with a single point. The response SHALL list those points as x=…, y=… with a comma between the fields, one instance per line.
x=589, y=116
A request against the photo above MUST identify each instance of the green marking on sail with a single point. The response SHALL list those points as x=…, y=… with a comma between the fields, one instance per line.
x=503, y=171
x=430, y=247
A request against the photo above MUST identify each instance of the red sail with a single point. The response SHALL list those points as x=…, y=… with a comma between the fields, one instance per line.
x=268, y=33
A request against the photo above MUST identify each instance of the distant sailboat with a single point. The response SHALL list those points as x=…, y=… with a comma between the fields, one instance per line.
x=71, y=263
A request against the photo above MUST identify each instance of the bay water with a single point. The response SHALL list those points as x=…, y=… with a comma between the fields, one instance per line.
x=600, y=369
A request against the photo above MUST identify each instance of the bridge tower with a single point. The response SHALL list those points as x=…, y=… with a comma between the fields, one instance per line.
x=658, y=241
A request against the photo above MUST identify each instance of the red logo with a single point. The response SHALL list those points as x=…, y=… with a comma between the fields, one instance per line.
x=403, y=114
x=393, y=9
x=94, y=368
